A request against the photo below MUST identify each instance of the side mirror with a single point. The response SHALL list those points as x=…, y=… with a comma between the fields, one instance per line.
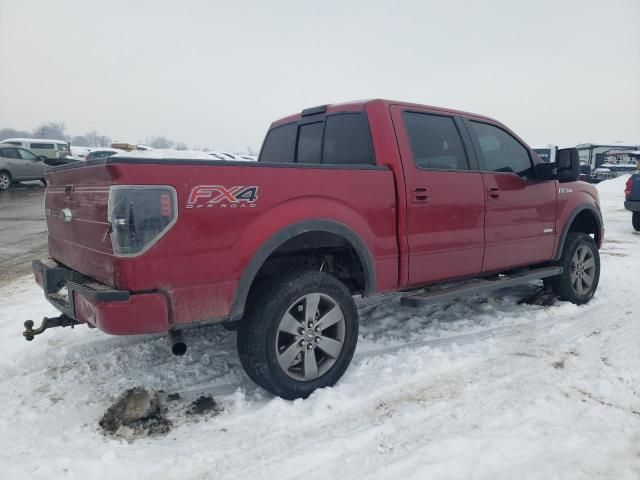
x=42, y=158
x=568, y=165
x=546, y=171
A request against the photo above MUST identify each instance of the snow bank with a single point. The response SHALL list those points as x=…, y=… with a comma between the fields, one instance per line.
x=614, y=186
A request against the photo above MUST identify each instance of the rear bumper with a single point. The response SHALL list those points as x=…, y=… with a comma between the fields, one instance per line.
x=632, y=205
x=117, y=312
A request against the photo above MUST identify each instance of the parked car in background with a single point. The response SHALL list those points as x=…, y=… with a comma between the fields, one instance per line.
x=17, y=164
x=632, y=199
x=56, y=151
x=102, y=153
x=222, y=156
x=620, y=168
x=129, y=147
x=232, y=157
x=79, y=153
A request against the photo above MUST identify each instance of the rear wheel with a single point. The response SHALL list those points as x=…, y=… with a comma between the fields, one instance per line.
x=299, y=334
x=5, y=181
x=635, y=220
x=580, y=262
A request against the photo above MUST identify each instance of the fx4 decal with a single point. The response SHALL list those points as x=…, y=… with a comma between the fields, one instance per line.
x=207, y=196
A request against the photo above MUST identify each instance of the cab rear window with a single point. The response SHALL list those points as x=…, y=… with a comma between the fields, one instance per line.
x=280, y=144
x=340, y=139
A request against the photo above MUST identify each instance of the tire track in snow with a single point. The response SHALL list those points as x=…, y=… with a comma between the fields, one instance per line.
x=354, y=424
x=570, y=332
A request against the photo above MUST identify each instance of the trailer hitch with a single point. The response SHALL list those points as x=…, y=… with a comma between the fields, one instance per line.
x=61, y=321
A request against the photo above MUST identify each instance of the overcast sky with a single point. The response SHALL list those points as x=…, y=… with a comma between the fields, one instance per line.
x=216, y=74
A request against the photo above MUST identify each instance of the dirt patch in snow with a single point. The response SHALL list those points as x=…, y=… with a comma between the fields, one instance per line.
x=140, y=412
x=203, y=405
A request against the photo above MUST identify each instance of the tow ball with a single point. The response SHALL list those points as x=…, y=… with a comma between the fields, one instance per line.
x=61, y=321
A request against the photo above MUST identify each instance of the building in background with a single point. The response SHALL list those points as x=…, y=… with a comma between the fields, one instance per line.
x=546, y=152
x=595, y=154
x=623, y=157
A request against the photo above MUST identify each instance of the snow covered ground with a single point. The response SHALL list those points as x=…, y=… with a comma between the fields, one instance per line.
x=484, y=388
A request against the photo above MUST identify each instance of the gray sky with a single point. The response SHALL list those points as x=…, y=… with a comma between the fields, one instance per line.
x=215, y=74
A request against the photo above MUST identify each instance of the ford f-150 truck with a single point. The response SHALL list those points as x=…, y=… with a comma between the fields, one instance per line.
x=345, y=200
x=632, y=199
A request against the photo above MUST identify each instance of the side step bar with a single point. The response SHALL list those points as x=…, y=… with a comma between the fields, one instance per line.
x=437, y=295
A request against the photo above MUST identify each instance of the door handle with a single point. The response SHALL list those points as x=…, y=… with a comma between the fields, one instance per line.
x=494, y=192
x=419, y=194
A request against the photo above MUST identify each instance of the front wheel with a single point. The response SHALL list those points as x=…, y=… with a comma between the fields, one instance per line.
x=5, y=181
x=299, y=334
x=635, y=220
x=580, y=262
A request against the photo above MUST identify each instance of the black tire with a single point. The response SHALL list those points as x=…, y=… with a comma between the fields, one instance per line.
x=635, y=220
x=5, y=180
x=262, y=341
x=572, y=285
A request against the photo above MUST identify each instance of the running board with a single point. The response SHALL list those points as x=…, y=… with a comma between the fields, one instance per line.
x=437, y=295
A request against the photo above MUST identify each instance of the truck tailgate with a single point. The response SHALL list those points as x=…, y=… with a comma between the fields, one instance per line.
x=76, y=202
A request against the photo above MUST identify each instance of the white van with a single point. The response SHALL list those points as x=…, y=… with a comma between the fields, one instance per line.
x=56, y=150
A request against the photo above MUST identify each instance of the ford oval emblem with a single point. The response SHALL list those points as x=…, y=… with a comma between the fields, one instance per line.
x=65, y=215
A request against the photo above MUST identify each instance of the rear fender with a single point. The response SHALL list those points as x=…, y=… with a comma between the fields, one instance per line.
x=275, y=234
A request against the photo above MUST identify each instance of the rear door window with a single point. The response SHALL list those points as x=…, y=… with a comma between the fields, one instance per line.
x=280, y=144
x=9, y=153
x=347, y=140
x=435, y=142
x=310, y=143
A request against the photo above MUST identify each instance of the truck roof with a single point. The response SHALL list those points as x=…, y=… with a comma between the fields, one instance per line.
x=360, y=105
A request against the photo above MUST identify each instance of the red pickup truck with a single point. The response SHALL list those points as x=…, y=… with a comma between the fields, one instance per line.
x=345, y=200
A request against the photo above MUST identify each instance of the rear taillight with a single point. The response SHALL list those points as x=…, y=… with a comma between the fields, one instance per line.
x=627, y=187
x=139, y=216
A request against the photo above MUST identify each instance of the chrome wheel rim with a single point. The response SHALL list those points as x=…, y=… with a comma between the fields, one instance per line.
x=310, y=337
x=583, y=270
x=4, y=181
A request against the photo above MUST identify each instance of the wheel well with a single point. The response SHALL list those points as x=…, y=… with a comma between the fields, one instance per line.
x=586, y=222
x=316, y=250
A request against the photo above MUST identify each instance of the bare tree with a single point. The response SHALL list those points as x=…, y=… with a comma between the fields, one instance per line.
x=53, y=130
x=80, y=141
x=96, y=140
x=159, y=142
x=13, y=133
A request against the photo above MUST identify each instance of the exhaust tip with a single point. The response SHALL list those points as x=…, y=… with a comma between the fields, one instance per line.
x=178, y=345
x=179, y=349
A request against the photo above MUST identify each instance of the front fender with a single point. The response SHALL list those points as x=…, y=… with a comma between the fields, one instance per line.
x=568, y=221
